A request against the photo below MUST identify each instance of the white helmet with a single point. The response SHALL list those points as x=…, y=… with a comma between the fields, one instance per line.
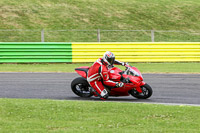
x=109, y=58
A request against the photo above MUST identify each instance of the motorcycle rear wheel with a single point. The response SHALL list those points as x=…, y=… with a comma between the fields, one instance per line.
x=146, y=92
x=80, y=87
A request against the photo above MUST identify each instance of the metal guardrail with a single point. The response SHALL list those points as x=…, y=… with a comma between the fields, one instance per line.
x=26, y=52
x=99, y=35
x=22, y=52
x=138, y=52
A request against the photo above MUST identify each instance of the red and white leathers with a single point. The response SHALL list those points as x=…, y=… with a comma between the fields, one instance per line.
x=97, y=73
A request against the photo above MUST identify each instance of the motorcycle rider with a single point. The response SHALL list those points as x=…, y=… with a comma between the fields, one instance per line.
x=98, y=73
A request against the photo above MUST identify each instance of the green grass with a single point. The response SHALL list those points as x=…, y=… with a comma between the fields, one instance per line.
x=104, y=14
x=19, y=115
x=143, y=67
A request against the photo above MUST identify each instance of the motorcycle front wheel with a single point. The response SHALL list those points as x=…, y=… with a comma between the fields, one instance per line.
x=146, y=92
x=81, y=87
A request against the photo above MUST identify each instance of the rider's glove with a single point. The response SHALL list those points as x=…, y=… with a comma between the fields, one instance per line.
x=119, y=84
x=124, y=63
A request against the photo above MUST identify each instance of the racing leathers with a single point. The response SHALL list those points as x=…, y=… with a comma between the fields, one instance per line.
x=97, y=74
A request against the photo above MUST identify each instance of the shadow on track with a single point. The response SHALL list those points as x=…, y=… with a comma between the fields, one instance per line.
x=111, y=99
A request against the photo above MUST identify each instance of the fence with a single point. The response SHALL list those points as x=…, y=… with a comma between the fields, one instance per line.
x=89, y=52
x=19, y=35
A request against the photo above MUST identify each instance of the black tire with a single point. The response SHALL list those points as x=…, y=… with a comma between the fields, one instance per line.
x=81, y=87
x=146, y=92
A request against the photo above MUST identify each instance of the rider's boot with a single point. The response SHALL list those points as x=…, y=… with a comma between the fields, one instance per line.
x=104, y=94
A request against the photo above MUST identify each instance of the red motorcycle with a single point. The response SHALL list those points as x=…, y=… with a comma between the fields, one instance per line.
x=131, y=77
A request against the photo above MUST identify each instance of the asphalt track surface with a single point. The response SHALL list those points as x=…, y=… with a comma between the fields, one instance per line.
x=167, y=88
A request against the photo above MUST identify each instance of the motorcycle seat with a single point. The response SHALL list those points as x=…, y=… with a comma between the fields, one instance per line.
x=82, y=69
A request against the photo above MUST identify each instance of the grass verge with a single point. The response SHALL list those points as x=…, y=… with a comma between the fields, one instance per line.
x=19, y=115
x=143, y=67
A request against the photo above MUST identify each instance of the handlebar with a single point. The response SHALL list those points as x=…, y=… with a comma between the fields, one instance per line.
x=127, y=65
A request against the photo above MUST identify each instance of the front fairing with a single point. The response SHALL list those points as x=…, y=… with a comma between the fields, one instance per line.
x=134, y=82
x=116, y=74
x=134, y=68
x=134, y=77
x=133, y=74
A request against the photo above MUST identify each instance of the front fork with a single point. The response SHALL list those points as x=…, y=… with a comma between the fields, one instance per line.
x=138, y=88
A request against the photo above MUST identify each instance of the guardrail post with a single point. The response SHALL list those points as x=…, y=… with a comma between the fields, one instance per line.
x=98, y=35
x=42, y=35
x=152, y=35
